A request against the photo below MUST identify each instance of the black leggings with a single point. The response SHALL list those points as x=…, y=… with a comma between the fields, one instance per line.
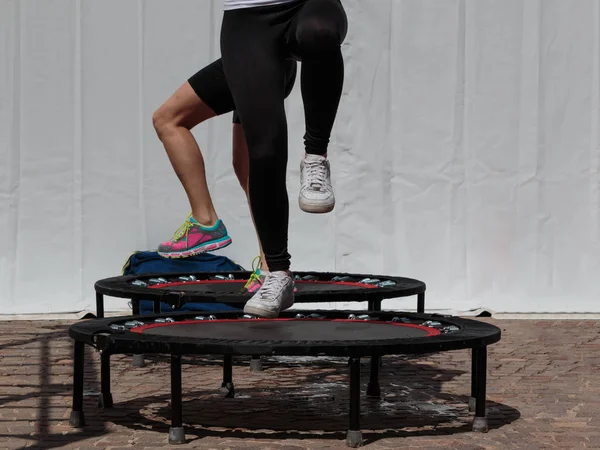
x=255, y=43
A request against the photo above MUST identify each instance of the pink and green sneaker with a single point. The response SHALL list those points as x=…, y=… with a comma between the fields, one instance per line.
x=256, y=278
x=192, y=239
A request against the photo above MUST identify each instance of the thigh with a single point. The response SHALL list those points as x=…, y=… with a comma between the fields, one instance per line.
x=291, y=70
x=210, y=85
x=254, y=62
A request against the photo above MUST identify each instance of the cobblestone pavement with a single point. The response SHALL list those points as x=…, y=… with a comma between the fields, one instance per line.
x=543, y=392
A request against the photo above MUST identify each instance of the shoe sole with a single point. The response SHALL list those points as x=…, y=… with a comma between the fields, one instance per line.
x=316, y=208
x=259, y=312
x=204, y=248
x=264, y=313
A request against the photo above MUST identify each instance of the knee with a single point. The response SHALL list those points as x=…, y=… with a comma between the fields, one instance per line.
x=266, y=152
x=267, y=142
x=162, y=121
x=316, y=37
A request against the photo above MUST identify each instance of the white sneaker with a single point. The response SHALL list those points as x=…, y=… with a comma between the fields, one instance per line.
x=316, y=192
x=275, y=295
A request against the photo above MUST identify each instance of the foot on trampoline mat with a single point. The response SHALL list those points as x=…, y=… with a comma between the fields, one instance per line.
x=105, y=401
x=176, y=435
x=373, y=390
x=480, y=424
x=138, y=361
x=228, y=390
x=256, y=365
x=472, y=403
x=354, y=439
x=76, y=420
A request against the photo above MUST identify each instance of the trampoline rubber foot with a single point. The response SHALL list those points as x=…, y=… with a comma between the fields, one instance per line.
x=176, y=435
x=480, y=425
x=373, y=390
x=256, y=365
x=472, y=403
x=138, y=361
x=105, y=401
x=354, y=439
x=76, y=419
x=228, y=390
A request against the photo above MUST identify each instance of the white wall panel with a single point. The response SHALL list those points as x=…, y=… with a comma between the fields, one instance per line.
x=45, y=252
x=9, y=146
x=466, y=151
x=111, y=147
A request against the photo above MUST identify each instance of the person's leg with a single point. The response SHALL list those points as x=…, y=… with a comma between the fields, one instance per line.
x=254, y=64
x=173, y=123
x=254, y=67
x=241, y=166
x=240, y=151
x=203, y=96
x=316, y=37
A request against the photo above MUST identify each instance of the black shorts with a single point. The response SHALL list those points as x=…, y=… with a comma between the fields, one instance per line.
x=210, y=85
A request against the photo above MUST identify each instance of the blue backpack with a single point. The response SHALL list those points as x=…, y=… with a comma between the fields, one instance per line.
x=151, y=262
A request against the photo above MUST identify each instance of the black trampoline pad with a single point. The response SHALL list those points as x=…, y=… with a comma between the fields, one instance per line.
x=234, y=286
x=287, y=330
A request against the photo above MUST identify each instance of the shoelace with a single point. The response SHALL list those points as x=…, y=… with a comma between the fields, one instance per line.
x=183, y=230
x=256, y=262
x=316, y=174
x=271, y=286
x=254, y=276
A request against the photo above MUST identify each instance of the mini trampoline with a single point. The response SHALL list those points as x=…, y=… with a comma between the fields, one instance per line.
x=226, y=288
x=319, y=333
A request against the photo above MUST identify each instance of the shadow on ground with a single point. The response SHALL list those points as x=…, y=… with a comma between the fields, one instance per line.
x=44, y=390
x=413, y=403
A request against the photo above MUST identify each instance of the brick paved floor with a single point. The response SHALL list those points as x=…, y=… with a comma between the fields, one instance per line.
x=543, y=392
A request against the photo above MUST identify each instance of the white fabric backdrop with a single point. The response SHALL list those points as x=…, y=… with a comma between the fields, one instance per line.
x=466, y=151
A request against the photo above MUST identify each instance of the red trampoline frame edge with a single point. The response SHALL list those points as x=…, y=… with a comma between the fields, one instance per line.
x=188, y=283
x=430, y=331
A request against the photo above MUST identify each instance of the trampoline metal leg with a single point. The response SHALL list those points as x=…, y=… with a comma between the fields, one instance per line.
x=77, y=419
x=354, y=435
x=480, y=423
x=176, y=432
x=374, y=305
x=135, y=306
x=105, y=400
x=138, y=360
x=373, y=389
x=227, y=387
x=99, y=305
x=379, y=360
x=473, y=381
x=421, y=303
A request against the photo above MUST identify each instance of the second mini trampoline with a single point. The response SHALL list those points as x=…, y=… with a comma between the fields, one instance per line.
x=319, y=333
x=178, y=289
